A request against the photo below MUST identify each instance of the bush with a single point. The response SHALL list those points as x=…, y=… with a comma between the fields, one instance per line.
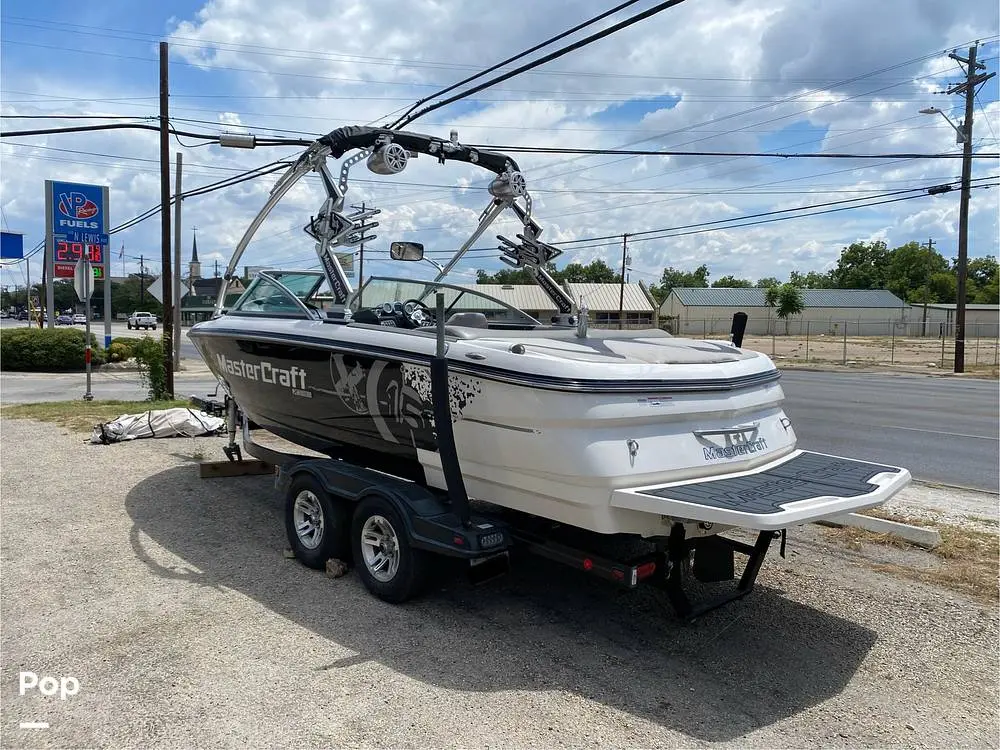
x=47, y=350
x=148, y=353
x=119, y=352
x=125, y=345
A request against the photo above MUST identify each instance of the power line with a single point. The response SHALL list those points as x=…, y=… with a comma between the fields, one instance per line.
x=402, y=122
x=769, y=154
x=518, y=56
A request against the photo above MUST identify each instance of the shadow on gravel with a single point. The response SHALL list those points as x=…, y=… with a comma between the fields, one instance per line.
x=543, y=627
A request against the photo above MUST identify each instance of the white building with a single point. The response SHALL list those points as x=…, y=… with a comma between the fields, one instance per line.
x=709, y=311
x=981, y=321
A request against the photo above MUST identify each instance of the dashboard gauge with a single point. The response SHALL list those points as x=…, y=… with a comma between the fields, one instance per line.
x=408, y=308
x=387, y=308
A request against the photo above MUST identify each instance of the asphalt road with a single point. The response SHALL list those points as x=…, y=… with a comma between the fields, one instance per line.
x=941, y=429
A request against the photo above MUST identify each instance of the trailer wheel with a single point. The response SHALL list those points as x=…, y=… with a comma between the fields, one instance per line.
x=316, y=525
x=387, y=565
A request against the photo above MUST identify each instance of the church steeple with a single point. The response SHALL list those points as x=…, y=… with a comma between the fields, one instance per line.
x=195, y=265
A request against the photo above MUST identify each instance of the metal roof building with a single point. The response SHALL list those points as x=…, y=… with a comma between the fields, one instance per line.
x=838, y=298
x=709, y=311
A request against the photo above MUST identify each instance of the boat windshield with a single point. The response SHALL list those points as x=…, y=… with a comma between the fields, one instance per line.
x=287, y=297
x=379, y=291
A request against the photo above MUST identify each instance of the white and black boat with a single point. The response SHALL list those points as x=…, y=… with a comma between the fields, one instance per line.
x=630, y=432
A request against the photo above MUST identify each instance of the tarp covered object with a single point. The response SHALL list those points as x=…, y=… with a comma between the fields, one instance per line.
x=157, y=423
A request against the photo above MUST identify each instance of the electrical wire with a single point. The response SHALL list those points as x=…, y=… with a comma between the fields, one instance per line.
x=631, y=20
x=817, y=155
x=518, y=56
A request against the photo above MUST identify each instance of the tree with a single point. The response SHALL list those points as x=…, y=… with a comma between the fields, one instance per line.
x=988, y=294
x=909, y=269
x=982, y=275
x=673, y=277
x=767, y=282
x=811, y=280
x=787, y=298
x=505, y=276
x=862, y=265
x=512, y=275
x=731, y=282
x=595, y=272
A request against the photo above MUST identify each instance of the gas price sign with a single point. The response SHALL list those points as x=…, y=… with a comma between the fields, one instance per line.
x=76, y=224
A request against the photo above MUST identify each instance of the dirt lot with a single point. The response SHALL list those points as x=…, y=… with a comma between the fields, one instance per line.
x=923, y=354
x=169, y=599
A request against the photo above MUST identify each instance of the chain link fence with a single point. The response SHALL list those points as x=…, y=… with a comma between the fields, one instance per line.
x=860, y=342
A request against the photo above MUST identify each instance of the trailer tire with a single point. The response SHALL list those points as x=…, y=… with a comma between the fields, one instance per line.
x=317, y=526
x=387, y=564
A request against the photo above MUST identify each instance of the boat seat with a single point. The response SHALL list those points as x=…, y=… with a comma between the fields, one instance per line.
x=468, y=320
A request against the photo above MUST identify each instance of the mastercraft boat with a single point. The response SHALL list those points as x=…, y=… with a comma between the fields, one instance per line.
x=613, y=431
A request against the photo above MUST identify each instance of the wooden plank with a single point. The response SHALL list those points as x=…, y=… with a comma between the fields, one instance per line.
x=216, y=469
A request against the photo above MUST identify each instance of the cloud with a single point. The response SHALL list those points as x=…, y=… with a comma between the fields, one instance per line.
x=712, y=75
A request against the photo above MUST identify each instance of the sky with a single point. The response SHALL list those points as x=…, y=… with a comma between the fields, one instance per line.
x=776, y=76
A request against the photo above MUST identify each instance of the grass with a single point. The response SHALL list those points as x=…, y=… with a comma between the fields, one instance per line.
x=967, y=560
x=83, y=415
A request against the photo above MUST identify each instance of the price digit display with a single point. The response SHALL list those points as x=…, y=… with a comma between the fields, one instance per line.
x=71, y=252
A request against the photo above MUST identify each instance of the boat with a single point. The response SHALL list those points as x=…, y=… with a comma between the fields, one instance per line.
x=610, y=431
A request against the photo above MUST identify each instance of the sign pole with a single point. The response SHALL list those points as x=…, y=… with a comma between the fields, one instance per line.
x=105, y=255
x=49, y=264
x=88, y=276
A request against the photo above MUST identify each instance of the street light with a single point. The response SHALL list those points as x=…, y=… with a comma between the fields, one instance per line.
x=959, y=133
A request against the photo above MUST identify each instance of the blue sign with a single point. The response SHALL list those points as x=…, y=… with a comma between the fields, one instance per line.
x=11, y=246
x=87, y=237
x=77, y=208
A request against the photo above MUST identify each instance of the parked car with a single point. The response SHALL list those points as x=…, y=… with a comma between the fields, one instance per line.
x=145, y=320
x=64, y=320
x=23, y=315
x=79, y=319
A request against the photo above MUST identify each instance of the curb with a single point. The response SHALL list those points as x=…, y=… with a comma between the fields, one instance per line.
x=921, y=536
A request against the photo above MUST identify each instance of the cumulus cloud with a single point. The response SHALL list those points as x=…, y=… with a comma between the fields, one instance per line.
x=713, y=75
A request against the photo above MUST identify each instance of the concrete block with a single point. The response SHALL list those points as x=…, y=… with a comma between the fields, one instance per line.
x=921, y=536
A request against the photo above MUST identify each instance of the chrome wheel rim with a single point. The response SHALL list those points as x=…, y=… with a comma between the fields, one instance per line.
x=380, y=548
x=307, y=515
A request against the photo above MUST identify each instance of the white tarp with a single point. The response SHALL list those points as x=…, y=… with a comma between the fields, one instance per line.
x=157, y=423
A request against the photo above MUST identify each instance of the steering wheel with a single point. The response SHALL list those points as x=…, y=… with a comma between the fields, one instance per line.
x=418, y=313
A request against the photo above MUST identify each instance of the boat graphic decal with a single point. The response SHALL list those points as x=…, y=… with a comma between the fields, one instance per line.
x=346, y=383
x=379, y=391
x=461, y=389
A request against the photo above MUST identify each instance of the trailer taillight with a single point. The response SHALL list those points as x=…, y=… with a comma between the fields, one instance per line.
x=645, y=570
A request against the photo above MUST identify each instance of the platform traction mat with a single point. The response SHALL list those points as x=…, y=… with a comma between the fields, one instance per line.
x=806, y=476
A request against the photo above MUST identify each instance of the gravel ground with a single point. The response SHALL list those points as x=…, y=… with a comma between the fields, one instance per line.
x=168, y=598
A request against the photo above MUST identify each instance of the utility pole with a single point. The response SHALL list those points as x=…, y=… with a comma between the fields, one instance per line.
x=165, y=261
x=142, y=281
x=621, y=289
x=177, y=262
x=972, y=79
x=927, y=291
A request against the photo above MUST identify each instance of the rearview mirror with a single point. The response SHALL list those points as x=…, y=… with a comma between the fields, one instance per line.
x=406, y=251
